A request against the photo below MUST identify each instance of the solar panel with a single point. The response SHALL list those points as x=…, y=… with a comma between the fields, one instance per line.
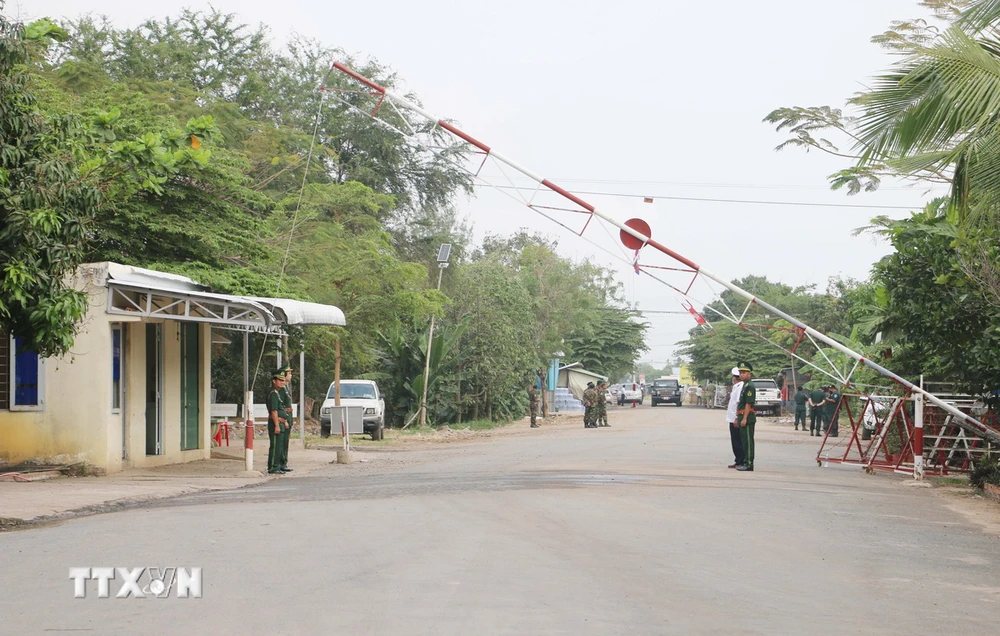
x=444, y=252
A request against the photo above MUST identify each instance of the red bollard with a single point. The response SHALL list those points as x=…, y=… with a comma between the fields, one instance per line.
x=248, y=445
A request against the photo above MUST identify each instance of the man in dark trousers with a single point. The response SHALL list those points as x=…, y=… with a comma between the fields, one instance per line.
x=602, y=403
x=816, y=401
x=590, y=406
x=746, y=416
x=734, y=433
x=276, y=424
x=801, y=397
x=533, y=405
x=832, y=414
x=286, y=402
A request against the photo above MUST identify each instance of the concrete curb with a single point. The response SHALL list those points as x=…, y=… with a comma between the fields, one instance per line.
x=30, y=505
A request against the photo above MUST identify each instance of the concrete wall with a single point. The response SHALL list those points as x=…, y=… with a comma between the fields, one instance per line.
x=77, y=399
x=77, y=422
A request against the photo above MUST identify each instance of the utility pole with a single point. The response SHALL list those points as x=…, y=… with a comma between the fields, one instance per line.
x=443, y=253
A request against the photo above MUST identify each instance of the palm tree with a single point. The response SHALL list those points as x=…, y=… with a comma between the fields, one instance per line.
x=936, y=113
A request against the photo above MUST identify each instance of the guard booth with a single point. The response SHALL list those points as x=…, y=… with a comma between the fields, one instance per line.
x=136, y=389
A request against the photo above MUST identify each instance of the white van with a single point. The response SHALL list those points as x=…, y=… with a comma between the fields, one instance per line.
x=363, y=393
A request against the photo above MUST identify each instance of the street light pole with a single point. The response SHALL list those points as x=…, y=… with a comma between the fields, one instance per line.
x=443, y=253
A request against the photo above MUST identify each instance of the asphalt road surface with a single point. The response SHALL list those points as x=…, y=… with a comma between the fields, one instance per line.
x=635, y=529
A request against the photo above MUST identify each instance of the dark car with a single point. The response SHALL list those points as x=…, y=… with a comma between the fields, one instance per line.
x=665, y=392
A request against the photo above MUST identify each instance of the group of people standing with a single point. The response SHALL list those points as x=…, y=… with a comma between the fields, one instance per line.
x=279, y=421
x=823, y=403
x=742, y=417
x=595, y=405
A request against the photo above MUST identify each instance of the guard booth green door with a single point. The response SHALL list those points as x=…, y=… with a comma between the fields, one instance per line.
x=189, y=386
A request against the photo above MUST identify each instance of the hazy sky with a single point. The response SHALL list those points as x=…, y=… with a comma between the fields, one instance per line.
x=637, y=97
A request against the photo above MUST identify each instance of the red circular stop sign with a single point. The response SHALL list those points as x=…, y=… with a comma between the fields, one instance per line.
x=639, y=226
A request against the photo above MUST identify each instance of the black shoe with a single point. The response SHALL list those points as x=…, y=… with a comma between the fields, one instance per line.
x=745, y=468
x=286, y=469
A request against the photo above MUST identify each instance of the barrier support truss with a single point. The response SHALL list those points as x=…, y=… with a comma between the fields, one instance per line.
x=445, y=144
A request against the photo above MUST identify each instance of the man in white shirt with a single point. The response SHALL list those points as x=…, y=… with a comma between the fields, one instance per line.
x=734, y=433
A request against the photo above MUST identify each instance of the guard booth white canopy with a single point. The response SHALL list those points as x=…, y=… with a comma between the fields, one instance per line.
x=146, y=293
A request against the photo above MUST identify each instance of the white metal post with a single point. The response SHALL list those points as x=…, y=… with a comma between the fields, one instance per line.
x=247, y=406
x=918, y=433
x=427, y=363
x=248, y=432
x=302, y=394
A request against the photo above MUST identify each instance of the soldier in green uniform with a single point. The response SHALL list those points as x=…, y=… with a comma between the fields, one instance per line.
x=746, y=416
x=286, y=401
x=590, y=406
x=276, y=424
x=602, y=404
x=800, y=408
x=533, y=404
x=832, y=414
x=816, y=400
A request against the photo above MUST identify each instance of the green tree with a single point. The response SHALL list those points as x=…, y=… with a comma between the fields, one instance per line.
x=932, y=117
x=498, y=344
x=610, y=343
x=44, y=203
x=713, y=353
x=61, y=168
x=946, y=328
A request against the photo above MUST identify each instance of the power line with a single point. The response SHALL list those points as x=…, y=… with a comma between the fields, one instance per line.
x=713, y=200
x=681, y=184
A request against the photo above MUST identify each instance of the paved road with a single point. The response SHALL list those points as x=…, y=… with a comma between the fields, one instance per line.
x=637, y=529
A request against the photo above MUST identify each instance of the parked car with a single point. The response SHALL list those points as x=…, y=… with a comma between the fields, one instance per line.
x=629, y=392
x=768, y=396
x=363, y=393
x=666, y=391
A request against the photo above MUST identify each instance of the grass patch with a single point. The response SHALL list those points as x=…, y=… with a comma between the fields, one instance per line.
x=478, y=425
x=949, y=481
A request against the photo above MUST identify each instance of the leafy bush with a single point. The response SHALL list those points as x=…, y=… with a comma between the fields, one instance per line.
x=987, y=472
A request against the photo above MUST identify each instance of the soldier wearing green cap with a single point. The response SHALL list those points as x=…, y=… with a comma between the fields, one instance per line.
x=817, y=400
x=602, y=403
x=533, y=405
x=801, y=397
x=746, y=416
x=832, y=402
x=276, y=424
x=286, y=402
x=590, y=406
